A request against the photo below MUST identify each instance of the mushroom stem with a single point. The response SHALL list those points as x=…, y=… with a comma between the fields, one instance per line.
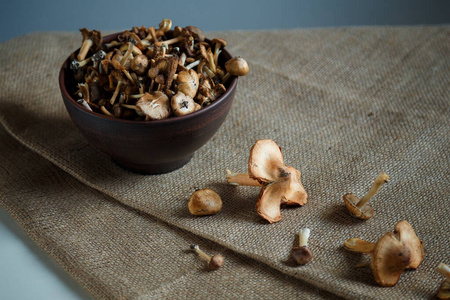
x=173, y=40
x=214, y=262
x=358, y=245
x=85, y=104
x=444, y=270
x=116, y=92
x=241, y=179
x=379, y=181
x=105, y=111
x=193, y=64
x=200, y=252
x=127, y=54
x=85, y=46
x=303, y=237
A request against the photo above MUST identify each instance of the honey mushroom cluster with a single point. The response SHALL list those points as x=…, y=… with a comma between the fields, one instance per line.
x=150, y=73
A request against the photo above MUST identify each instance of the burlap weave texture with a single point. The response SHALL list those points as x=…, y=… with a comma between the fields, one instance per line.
x=344, y=104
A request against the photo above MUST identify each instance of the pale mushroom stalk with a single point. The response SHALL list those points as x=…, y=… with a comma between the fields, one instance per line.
x=379, y=181
x=301, y=254
x=241, y=179
x=85, y=46
x=303, y=237
x=214, y=262
x=212, y=65
x=105, y=111
x=444, y=270
x=127, y=54
x=85, y=104
x=116, y=92
x=193, y=64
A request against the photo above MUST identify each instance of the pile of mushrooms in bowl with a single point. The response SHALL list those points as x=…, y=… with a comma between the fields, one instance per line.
x=150, y=97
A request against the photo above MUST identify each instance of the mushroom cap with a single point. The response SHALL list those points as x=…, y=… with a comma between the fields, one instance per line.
x=204, y=202
x=301, y=255
x=365, y=213
x=220, y=41
x=182, y=104
x=237, y=66
x=155, y=106
x=390, y=258
x=139, y=64
x=216, y=262
x=95, y=36
x=188, y=82
x=165, y=25
x=444, y=290
x=280, y=183
x=408, y=237
x=196, y=32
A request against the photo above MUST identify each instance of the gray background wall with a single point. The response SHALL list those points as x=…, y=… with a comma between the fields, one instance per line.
x=18, y=17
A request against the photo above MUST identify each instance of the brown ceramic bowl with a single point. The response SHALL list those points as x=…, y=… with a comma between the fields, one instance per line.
x=149, y=147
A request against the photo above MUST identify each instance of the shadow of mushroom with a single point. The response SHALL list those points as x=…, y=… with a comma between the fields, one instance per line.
x=338, y=214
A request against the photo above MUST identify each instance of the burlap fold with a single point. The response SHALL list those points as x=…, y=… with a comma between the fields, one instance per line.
x=344, y=104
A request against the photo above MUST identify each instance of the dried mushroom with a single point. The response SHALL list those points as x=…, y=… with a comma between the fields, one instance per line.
x=214, y=262
x=205, y=202
x=154, y=106
x=359, y=208
x=444, y=289
x=149, y=60
x=280, y=184
x=392, y=253
x=301, y=254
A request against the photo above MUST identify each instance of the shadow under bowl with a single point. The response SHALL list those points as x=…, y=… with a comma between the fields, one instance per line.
x=147, y=147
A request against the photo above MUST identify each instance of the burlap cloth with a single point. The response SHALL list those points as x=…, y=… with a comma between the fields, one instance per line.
x=344, y=104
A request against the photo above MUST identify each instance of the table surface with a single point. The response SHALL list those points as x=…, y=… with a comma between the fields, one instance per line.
x=27, y=272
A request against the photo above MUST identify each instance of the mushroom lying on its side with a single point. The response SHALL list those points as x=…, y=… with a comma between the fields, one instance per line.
x=280, y=183
x=359, y=208
x=392, y=254
x=444, y=290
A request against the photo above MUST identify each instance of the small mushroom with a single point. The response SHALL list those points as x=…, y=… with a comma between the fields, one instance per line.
x=392, y=254
x=187, y=82
x=182, y=104
x=205, y=202
x=301, y=254
x=155, y=105
x=444, y=290
x=139, y=64
x=214, y=262
x=280, y=183
x=359, y=208
x=236, y=66
x=91, y=39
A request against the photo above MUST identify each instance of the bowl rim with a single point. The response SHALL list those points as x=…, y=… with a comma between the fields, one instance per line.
x=170, y=120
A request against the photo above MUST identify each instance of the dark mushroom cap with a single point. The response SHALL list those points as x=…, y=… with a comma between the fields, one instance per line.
x=220, y=41
x=301, y=255
x=216, y=262
x=365, y=213
x=196, y=33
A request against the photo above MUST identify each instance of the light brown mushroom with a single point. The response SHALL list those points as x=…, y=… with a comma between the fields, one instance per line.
x=359, y=208
x=139, y=64
x=91, y=39
x=301, y=254
x=392, y=253
x=280, y=183
x=155, y=105
x=187, y=82
x=214, y=262
x=444, y=289
x=205, y=202
x=182, y=104
x=236, y=66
